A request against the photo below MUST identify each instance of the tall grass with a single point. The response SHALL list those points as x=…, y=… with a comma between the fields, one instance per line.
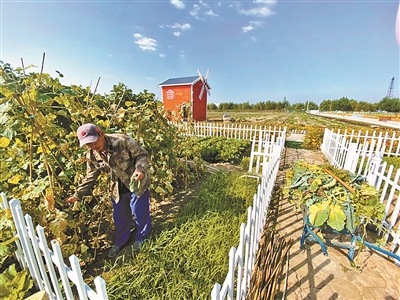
x=186, y=259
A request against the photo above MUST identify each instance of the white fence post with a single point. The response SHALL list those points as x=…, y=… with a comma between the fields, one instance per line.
x=26, y=246
x=373, y=170
x=351, y=159
x=36, y=250
x=18, y=253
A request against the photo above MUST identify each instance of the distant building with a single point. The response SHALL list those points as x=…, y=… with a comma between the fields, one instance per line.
x=177, y=92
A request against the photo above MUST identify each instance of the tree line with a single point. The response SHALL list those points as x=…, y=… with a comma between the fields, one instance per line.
x=387, y=104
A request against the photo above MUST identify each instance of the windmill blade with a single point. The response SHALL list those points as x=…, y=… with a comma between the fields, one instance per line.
x=208, y=72
x=205, y=83
x=201, y=76
x=202, y=91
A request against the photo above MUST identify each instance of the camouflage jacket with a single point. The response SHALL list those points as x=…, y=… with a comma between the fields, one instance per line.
x=122, y=157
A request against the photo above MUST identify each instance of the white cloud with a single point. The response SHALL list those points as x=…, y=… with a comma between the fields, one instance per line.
x=145, y=43
x=247, y=28
x=181, y=27
x=185, y=26
x=179, y=4
x=256, y=23
x=162, y=55
x=195, y=11
x=258, y=12
x=211, y=13
x=263, y=8
x=252, y=25
x=198, y=8
x=265, y=1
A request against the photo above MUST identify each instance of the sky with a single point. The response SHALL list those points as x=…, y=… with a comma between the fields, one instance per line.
x=255, y=51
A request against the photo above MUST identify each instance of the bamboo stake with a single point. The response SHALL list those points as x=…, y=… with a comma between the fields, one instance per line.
x=265, y=279
x=31, y=139
x=122, y=97
x=47, y=169
x=340, y=181
x=95, y=89
x=41, y=70
x=31, y=153
x=23, y=67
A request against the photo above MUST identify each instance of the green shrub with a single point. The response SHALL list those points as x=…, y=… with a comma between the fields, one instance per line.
x=220, y=149
x=245, y=162
x=392, y=160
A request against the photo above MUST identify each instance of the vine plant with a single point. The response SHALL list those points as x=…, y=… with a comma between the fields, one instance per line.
x=41, y=162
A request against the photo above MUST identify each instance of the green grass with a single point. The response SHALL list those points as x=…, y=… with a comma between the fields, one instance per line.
x=294, y=145
x=187, y=258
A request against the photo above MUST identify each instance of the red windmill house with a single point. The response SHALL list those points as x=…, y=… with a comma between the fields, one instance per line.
x=177, y=93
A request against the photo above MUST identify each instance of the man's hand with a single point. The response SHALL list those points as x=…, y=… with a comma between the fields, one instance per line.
x=71, y=199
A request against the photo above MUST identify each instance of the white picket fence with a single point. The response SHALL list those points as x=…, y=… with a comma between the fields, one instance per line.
x=336, y=143
x=262, y=149
x=363, y=155
x=43, y=262
x=242, y=259
x=230, y=130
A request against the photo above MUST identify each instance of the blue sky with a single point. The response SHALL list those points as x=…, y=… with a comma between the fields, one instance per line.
x=255, y=50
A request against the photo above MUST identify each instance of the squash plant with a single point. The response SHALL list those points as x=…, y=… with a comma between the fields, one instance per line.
x=333, y=198
x=14, y=284
x=41, y=162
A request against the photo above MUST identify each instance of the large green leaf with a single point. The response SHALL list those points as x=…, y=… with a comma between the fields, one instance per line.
x=350, y=220
x=336, y=218
x=315, y=184
x=319, y=213
x=8, y=89
x=15, y=285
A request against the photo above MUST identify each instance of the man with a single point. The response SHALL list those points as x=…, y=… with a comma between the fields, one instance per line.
x=127, y=165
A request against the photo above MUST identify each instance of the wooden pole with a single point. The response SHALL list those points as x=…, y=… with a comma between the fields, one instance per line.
x=340, y=181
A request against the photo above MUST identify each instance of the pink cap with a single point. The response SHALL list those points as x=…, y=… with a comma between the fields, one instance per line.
x=87, y=133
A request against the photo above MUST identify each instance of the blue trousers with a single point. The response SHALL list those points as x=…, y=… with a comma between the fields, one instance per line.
x=131, y=205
